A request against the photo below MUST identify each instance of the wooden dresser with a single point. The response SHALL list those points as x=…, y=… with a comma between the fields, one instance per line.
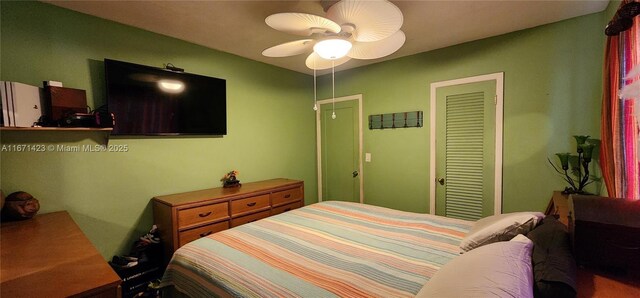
x=49, y=256
x=184, y=217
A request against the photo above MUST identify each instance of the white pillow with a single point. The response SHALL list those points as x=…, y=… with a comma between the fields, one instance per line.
x=501, y=269
x=501, y=227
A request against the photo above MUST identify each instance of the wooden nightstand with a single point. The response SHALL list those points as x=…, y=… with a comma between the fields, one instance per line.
x=559, y=207
x=594, y=282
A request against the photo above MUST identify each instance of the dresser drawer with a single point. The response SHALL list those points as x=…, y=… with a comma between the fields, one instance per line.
x=249, y=204
x=286, y=196
x=249, y=218
x=202, y=214
x=197, y=233
x=285, y=208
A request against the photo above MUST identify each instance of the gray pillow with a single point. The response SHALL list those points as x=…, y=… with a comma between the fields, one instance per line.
x=501, y=269
x=501, y=227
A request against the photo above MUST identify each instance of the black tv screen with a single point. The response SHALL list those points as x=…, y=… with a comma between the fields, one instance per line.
x=154, y=101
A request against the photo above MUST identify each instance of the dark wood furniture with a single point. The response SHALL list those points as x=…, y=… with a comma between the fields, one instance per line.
x=184, y=217
x=593, y=282
x=606, y=231
x=49, y=256
x=559, y=207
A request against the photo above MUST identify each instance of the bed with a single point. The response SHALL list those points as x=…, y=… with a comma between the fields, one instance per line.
x=328, y=249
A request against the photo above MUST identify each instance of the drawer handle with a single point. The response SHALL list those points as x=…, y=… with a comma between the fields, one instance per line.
x=251, y=204
x=204, y=214
x=287, y=196
x=206, y=234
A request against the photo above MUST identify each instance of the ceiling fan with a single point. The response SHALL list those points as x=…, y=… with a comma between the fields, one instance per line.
x=351, y=29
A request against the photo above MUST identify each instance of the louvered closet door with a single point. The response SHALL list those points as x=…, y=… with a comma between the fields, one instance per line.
x=465, y=144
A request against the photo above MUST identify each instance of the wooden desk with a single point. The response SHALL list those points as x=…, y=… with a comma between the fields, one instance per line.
x=49, y=256
x=559, y=206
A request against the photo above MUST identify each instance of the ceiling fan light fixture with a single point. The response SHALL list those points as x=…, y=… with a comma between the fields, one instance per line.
x=332, y=48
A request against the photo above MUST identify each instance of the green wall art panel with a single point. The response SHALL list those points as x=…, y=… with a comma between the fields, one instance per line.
x=396, y=120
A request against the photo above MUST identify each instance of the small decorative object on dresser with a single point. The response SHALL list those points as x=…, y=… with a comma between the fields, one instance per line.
x=575, y=168
x=230, y=179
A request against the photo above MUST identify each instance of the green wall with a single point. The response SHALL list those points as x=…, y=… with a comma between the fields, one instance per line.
x=611, y=10
x=270, y=123
x=552, y=91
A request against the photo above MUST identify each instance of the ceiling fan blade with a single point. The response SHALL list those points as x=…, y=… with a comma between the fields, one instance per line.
x=301, y=23
x=373, y=20
x=378, y=49
x=291, y=48
x=315, y=61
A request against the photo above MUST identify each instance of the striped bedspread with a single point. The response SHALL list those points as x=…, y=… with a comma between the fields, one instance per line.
x=329, y=249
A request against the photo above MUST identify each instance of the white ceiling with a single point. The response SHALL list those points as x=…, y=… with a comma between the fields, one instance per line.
x=238, y=27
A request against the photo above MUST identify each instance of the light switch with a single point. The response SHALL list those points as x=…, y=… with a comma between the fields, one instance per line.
x=367, y=157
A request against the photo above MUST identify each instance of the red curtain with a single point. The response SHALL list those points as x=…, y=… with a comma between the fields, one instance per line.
x=619, y=130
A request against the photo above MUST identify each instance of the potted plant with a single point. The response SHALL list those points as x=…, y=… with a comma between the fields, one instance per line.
x=575, y=168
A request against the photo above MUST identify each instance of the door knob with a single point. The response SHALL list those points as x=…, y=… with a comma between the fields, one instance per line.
x=441, y=181
x=355, y=174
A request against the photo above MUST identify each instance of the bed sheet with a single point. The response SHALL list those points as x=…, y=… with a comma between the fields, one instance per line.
x=328, y=249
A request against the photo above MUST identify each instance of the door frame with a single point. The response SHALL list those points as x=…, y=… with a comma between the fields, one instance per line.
x=499, y=103
x=357, y=97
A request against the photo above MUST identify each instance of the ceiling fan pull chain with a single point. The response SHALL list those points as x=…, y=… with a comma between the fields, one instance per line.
x=333, y=87
x=315, y=97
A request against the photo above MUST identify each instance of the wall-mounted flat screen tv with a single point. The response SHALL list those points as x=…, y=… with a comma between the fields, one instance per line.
x=154, y=101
